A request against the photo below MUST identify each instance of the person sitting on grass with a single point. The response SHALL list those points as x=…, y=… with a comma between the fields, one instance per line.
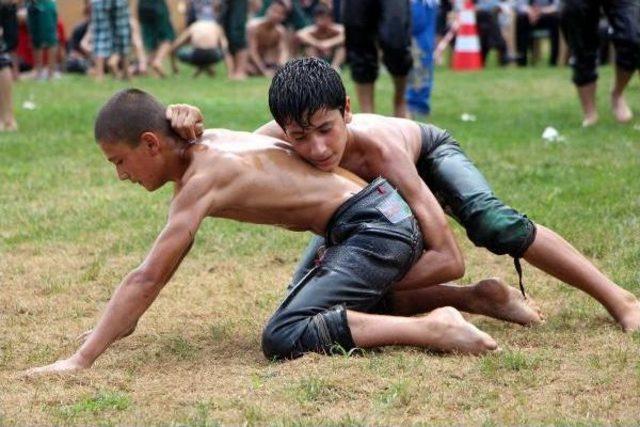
x=267, y=39
x=313, y=113
x=324, y=39
x=207, y=46
x=372, y=237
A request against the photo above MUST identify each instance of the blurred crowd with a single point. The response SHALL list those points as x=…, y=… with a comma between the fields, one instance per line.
x=255, y=37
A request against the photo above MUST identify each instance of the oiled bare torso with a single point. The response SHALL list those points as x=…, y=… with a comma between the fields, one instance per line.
x=261, y=180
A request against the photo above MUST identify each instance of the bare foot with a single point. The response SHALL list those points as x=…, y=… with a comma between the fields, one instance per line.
x=451, y=333
x=621, y=110
x=590, y=119
x=498, y=300
x=629, y=316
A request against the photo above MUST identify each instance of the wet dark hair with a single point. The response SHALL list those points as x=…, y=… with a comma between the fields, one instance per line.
x=127, y=115
x=302, y=87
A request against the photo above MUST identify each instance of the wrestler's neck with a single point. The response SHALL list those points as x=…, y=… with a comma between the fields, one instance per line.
x=178, y=156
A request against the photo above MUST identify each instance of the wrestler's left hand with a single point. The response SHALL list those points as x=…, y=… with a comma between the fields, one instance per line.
x=186, y=121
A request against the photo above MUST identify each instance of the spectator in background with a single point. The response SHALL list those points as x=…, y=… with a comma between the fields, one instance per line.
x=487, y=18
x=207, y=46
x=234, y=22
x=202, y=10
x=297, y=16
x=373, y=24
x=111, y=35
x=78, y=53
x=7, y=120
x=157, y=31
x=424, y=17
x=9, y=26
x=580, y=20
x=42, y=19
x=324, y=39
x=533, y=15
x=268, y=47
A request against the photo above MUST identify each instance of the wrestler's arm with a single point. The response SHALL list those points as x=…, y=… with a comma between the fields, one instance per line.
x=442, y=260
x=140, y=288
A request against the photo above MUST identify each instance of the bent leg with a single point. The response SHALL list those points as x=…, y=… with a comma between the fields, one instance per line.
x=490, y=297
x=444, y=330
x=552, y=254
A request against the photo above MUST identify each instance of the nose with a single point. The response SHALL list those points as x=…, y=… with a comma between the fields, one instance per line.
x=122, y=176
x=319, y=149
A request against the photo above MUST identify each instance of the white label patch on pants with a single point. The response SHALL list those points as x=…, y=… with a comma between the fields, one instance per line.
x=395, y=209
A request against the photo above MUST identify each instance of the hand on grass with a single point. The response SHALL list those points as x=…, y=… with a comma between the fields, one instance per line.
x=186, y=121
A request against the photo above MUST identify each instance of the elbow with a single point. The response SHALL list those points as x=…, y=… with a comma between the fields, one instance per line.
x=456, y=267
x=452, y=264
x=145, y=284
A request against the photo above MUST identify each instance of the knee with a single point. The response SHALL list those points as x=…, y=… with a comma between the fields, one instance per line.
x=455, y=268
x=628, y=55
x=364, y=66
x=275, y=345
x=502, y=231
x=398, y=61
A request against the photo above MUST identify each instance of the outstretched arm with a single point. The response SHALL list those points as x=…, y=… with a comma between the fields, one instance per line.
x=271, y=129
x=141, y=287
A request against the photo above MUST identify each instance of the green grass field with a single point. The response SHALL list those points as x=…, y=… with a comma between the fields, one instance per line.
x=69, y=231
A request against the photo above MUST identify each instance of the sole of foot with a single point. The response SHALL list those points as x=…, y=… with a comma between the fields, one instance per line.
x=501, y=301
x=456, y=335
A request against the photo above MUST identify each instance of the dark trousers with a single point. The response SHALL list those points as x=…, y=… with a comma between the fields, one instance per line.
x=524, y=30
x=373, y=24
x=580, y=20
x=490, y=35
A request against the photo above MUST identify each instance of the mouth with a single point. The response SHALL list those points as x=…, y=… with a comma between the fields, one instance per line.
x=324, y=162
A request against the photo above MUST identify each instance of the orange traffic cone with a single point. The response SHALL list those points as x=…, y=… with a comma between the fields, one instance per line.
x=466, y=53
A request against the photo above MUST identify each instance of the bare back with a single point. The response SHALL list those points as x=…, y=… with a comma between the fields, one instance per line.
x=205, y=34
x=259, y=179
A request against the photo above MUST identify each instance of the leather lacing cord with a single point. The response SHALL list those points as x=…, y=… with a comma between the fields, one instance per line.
x=518, y=266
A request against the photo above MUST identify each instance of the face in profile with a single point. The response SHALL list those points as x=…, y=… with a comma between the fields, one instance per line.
x=323, y=142
x=139, y=165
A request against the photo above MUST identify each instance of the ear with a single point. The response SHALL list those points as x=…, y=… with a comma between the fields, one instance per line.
x=348, y=115
x=150, y=142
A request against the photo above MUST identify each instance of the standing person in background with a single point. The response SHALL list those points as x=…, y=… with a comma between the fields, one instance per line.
x=424, y=15
x=234, y=22
x=535, y=15
x=9, y=25
x=42, y=19
x=157, y=31
x=370, y=24
x=579, y=20
x=487, y=17
x=111, y=34
x=7, y=120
